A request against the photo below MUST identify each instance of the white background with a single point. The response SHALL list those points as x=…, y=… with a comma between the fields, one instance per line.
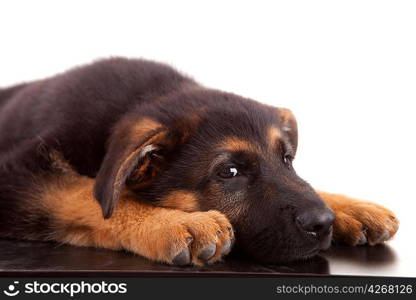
x=347, y=69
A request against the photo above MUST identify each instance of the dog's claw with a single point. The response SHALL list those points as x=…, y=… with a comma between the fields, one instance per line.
x=384, y=237
x=226, y=247
x=208, y=252
x=362, y=240
x=183, y=258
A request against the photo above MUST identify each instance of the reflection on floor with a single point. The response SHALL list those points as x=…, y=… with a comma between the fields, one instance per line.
x=49, y=257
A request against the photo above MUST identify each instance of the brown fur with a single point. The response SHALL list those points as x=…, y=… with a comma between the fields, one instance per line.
x=273, y=137
x=353, y=216
x=237, y=144
x=183, y=200
x=131, y=154
x=155, y=232
x=140, y=129
x=286, y=115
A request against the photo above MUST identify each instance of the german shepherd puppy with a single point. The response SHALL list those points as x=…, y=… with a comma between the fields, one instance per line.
x=130, y=154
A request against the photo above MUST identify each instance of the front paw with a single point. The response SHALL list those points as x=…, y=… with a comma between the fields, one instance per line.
x=360, y=222
x=180, y=238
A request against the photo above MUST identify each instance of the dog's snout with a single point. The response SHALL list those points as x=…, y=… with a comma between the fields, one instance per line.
x=316, y=222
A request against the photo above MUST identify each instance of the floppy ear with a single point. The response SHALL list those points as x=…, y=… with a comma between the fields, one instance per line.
x=289, y=126
x=130, y=153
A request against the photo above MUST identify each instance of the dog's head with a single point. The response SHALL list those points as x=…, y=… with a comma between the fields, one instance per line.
x=204, y=149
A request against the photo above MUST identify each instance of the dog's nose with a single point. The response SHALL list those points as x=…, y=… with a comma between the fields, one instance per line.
x=316, y=222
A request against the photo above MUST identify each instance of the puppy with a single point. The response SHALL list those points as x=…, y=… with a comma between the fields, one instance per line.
x=130, y=154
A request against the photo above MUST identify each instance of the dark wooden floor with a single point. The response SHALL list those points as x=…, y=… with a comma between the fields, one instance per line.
x=43, y=258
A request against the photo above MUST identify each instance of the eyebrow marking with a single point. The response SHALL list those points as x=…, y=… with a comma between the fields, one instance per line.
x=285, y=115
x=237, y=144
x=273, y=136
x=142, y=127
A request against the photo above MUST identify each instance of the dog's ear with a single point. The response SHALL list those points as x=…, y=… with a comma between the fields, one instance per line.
x=133, y=155
x=289, y=126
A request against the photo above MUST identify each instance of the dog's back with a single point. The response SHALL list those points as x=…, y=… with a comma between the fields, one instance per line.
x=78, y=108
x=8, y=93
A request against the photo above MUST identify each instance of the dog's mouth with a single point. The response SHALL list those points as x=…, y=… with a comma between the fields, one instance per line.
x=310, y=253
x=296, y=254
x=323, y=240
x=303, y=253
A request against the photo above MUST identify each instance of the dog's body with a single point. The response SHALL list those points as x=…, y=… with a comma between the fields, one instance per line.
x=174, y=167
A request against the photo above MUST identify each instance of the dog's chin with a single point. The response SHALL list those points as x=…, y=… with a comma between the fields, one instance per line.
x=291, y=251
x=296, y=255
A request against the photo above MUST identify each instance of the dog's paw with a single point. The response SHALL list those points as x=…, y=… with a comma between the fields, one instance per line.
x=187, y=238
x=359, y=222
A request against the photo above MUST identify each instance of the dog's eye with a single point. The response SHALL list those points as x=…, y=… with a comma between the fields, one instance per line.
x=287, y=159
x=228, y=172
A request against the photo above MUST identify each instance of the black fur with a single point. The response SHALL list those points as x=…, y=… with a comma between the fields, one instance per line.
x=85, y=114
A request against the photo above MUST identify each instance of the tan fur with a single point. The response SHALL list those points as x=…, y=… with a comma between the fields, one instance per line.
x=286, y=115
x=355, y=217
x=273, y=136
x=182, y=200
x=188, y=125
x=140, y=129
x=59, y=162
x=153, y=232
x=160, y=233
x=237, y=144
